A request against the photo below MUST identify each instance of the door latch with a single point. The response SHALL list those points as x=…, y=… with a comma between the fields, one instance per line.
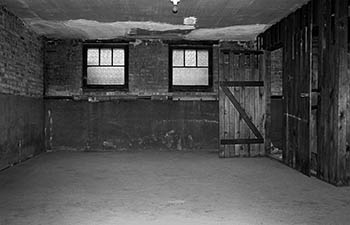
x=304, y=95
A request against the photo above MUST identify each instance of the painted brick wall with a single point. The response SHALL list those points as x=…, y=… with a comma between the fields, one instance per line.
x=148, y=71
x=131, y=125
x=21, y=57
x=21, y=128
x=21, y=91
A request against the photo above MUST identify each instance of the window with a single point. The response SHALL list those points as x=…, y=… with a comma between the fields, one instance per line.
x=190, y=68
x=106, y=66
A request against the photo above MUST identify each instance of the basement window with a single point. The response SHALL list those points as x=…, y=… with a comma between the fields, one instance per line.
x=190, y=68
x=106, y=66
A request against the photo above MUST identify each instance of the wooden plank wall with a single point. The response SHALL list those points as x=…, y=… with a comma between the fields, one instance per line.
x=316, y=87
x=265, y=69
x=343, y=86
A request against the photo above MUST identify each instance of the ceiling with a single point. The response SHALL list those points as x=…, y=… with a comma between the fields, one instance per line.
x=80, y=18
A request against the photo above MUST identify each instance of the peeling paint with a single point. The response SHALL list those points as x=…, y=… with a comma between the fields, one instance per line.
x=137, y=42
x=233, y=33
x=210, y=14
x=89, y=29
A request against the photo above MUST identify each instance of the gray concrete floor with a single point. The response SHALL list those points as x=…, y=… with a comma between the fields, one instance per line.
x=164, y=188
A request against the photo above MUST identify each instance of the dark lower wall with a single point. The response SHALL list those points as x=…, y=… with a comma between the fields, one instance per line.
x=21, y=133
x=276, y=130
x=133, y=124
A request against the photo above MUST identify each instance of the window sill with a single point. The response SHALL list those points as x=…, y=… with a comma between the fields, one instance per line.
x=191, y=89
x=105, y=89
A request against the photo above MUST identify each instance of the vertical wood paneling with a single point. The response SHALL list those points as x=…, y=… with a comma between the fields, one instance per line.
x=222, y=100
x=265, y=68
x=343, y=82
x=314, y=87
x=316, y=83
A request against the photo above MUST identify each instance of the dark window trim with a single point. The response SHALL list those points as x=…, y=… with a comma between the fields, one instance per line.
x=191, y=43
x=125, y=46
x=191, y=88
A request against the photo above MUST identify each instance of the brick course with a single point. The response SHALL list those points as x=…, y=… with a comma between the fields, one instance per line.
x=21, y=91
x=148, y=70
x=276, y=72
x=21, y=57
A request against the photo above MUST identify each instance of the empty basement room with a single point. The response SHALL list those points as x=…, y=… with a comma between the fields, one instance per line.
x=174, y=112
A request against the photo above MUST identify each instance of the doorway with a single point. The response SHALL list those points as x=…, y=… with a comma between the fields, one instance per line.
x=276, y=130
x=242, y=106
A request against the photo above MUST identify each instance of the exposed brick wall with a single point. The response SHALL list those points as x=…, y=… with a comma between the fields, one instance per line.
x=276, y=103
x=148, y=70
x=21, y=57
x=110, y=124
x=63, y=68
x=21, y=91
x=276, y=72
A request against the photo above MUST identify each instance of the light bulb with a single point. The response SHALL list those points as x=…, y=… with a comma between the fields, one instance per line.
x=175, y=9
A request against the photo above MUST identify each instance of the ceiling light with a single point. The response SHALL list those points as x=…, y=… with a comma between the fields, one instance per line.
x=175, y=7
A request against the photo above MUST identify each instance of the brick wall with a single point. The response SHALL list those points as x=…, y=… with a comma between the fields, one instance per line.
x=21, y=91
x=63, y=68
x=122, y=120
x=113, y=124
x=276, y=72
x=148, y=67
x=148, y=71
x=277, y=102
x=21, y=57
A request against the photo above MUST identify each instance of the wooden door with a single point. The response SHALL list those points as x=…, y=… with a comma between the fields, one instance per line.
x=242, y=104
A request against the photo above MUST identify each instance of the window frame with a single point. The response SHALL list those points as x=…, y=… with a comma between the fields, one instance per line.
x=125, y=46
x=191, y=88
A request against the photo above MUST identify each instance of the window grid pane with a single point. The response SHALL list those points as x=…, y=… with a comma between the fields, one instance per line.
x=118, y=57
x=105, y=66
x=93, y=56
x=190, y=76
x=178, y=57
x=190, y=58
x=203, y=58
x=195, y=69
x=106, y=57
x=105, y=76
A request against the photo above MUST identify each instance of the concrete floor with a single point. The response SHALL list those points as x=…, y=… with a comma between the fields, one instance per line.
x=125, y=188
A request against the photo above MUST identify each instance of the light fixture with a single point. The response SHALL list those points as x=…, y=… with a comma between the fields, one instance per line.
x=175, y=7
x=190, y=21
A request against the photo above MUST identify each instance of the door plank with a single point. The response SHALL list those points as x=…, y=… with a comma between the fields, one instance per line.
x=242, y=112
